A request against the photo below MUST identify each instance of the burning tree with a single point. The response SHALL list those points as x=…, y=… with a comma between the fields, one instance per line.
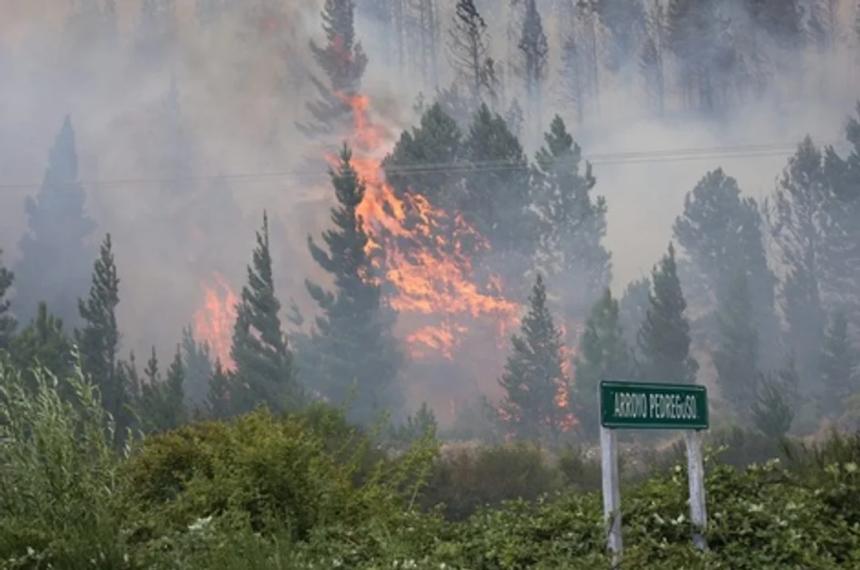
x=354, y=355
x=343, y=61
x=535, y=380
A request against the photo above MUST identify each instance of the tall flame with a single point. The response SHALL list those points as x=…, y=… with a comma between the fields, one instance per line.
x=425, y=255
x=214, y=320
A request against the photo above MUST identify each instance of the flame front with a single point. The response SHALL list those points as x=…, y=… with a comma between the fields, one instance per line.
x=213, y=322
x=424, y=255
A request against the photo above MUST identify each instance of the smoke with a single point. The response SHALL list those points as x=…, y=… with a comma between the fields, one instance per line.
x=181, y=150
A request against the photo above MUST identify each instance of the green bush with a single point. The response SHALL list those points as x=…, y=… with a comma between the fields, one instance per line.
x=58, y=475
x=467, y=478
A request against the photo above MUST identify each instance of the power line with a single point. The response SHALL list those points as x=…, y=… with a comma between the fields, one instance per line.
x=763, y=150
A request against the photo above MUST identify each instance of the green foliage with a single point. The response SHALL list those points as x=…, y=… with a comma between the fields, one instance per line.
x=353, y=353
x=99, y=338
x=664, y=339
x=839, y=367
x=534, y=375
x=774, y=406
x=465, y=478
x=58, y=483
x=43, y=343
x=198, y=370
x=7, y=321
x=602, y=355
x=421, y=424
x=162, y=403
x=264, y=365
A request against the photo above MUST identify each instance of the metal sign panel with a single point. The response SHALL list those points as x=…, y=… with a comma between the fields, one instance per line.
x=637, y=405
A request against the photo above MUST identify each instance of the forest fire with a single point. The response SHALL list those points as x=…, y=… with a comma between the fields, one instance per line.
x=423, y=255
x=213, y=322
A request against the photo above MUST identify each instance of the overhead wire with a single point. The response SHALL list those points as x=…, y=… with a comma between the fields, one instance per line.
x=761, y=150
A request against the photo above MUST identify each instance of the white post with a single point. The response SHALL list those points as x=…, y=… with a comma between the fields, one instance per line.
x=611, y=492
x=696, y=475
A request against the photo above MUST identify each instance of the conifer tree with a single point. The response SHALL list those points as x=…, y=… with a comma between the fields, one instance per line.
x=98, y=340
x=468, y=46
x=625, y=21
x=634, y=308
x=773, y=408
x=664, y=339
x=355, y=354
x=535, y=53
x=839, y=366
x=7, y=321
x=652, y=56
x=573, y=222
x=721, y=233
x=198, y=369
x=161, y=405
x=264, y=367
x=43, y=341
x=603, y=355
x=218, y=401
x=498, y=201
x=54, y=251
x=343, y=61
x=736, y=357
x=534, y=374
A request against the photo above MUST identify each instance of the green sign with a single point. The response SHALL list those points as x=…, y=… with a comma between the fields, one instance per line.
x=635, y=405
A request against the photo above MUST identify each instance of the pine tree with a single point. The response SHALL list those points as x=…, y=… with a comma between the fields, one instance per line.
x=736, y=357
x=801, y=222
x=468, y=46
x=721, y=232
x=534, y=374
x=625, y=22
x=7, y=321
x=54, y=251
x=497, y=202
x=218, y=401
x=774, y=406
x=839, y=366
x=264, y=368
x=198, y=370
x=43, y=342
x=98, y=340
x=535, y=52
x=603, y=355
x=664, y=339
x=343, y=61
x=174, y=394
x=355, y=354
x=652, y=56
x=161, y=404
x=572, y=221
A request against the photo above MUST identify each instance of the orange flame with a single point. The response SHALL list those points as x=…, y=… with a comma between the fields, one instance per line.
x=423, y=254
x=213, y=322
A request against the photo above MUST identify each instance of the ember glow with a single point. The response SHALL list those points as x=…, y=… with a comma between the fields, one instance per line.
x=213, y=322
x=424, y=256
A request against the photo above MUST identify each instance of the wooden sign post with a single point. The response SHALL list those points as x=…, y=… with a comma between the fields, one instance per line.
x=636, y=405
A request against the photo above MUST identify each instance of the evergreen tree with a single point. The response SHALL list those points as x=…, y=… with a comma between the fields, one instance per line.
x=437, y=140
x=7, y=321
x=355, y=354
x=801, y=222
x=343, y=61
x=736, y=357
x=652, y=56
x=54, y=251
x=534, y=374
x=535, y=53
x=774, y=406
x=497, y=201
x=218, y=400
x=468, y=46
x=161, y=405
x=634, y=308
x=664, y=338
x=839, y=367
x=43, y=342
x=264, y=368
x=603, y=355
x=721, y=233
x=98, y=340
x=625, y=21
x=198, y=369
x=573, y=223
